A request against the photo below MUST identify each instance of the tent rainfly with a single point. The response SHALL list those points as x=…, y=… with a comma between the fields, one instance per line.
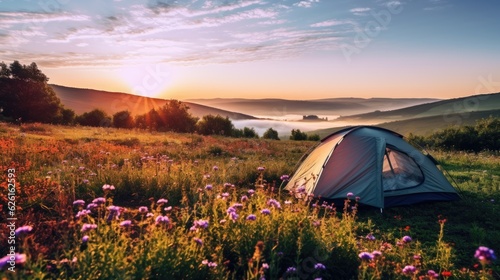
x=375, y=164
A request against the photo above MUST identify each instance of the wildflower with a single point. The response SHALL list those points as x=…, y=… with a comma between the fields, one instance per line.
x=265, y=211
x=79, y=202
x=251, y=192
x=285, y=177
x=85, y=239
x=234, y=216
x=82, y=213
x=201, y=224
x=215, y=168
x=208, y=187
x=446, y=273
x=88, y=227
x=237, y=205
x=417, y=257
x=99, y=200
x=169, y=208
x=370, y=237
x=244, y=198
x=81, y=168
x=301, y=189
x=485, y=255
x=319, y=266
x=162, y=220
x=223, y=221
x=198, y=241
x=274, y=203
x=251, y=217
x=358, y=198
x=148, y=215
x=19, y=259
x=260, y=168
x=350, y=194
x=409, y=269
x=376, y=253
x=288, y=202
x=228, y=185
x=231, y=210
x=85, y=181
x=316, y=223
x=406, y=239
x=143, y=209
x=204, y=262
x=126, y=223
x=431, y=273
x=23, y=230
x=365, y=256
x=212, y=264
x=114, y=212
x=92, y=205
x=162, y=201
x=265, y=266
x=107, y=187
x=291, y=269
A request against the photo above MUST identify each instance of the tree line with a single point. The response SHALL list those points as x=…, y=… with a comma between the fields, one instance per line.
x=25, y=96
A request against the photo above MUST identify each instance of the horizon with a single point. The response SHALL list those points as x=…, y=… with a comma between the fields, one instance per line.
x=256, y=49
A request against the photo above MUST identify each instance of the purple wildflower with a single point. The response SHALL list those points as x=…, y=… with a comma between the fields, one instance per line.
x=291, y=269
x=370, y=237
x=274, y=203
x=208, y=187
x=432, y=274
x=265, y=266
x=85, y=239
x=126, y=223
x=19, y=259
x=251, y=192
x=485, y=254
x=198, y=241
x=107, y=187
x=114, y=212
x=406, y=239
x=212, y=264
x=251, y=217
x=162, y=201
x=88, y=227
x=285, y=177
x=319, y=266
x=215, y=168
x=376, y=253
x=301, y=189
x=79, y=202
x=162, y=220
x=409, y=269
x=99, y=200
x=169, y=208
x=231, y=210
x=23, y=230
x=82, y=213
x=265, y=211
x=350, y=194
x=201, y=224
x=244, y=198
x=143, y=209
x=234, y=216
x=365, y=256
x=224, y=195
x=261, y=168
x=92, y=206
x=228, y=185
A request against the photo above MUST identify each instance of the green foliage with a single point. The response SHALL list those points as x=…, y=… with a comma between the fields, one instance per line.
x=216, y=125
x=271, y=134
x=246, y=132
x=123, y=119
x=313, y=137
x=298, y=135
x=484, y=135
x=96, y=117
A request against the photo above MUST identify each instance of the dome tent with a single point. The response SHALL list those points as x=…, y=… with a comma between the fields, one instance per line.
x=373, y=163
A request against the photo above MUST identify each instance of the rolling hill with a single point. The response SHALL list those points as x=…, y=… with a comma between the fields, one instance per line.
x=84, y=100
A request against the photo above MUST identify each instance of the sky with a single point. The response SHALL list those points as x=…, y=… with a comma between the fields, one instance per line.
x=291, y=49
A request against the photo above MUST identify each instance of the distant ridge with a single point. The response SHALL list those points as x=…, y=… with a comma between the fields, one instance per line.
x=83, y=100
x=327, y=106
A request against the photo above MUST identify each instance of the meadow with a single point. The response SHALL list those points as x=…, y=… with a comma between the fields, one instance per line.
x=104, y=203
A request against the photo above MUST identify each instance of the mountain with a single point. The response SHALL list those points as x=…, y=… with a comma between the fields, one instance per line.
x=329, y=106
x=463, y=105
x=83, y=100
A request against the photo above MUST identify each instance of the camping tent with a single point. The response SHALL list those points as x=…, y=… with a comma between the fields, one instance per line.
x=375, y=164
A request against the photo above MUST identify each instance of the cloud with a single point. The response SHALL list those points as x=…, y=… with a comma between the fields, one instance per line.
x=360, y=11
x=328, y=23
x=305, y=3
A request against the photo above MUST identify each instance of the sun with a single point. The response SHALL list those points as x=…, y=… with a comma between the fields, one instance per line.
x=146, y=79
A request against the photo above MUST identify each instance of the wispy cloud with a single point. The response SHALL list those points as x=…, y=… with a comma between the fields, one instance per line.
x=328, y=23
x=360, y=11
x=305, y=3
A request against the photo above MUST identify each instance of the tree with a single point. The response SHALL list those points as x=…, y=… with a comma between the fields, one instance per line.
x=174, y=116
x=68, y=116
x=211, y=124
x=271, y=134
x=123, y=119
x=298, y=135
x=96, y=117
x=313, y=137
x=249, y=133
x=26, y=96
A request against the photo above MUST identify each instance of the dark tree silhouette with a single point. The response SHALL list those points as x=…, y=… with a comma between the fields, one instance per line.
x=123, y=119
x=211, y=124
x=96, y=117
x=271, y=134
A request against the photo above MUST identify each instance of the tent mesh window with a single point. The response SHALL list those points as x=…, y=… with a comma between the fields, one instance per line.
x=400, y=171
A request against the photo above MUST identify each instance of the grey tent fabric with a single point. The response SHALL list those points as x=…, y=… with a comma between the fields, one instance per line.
x=375, y=164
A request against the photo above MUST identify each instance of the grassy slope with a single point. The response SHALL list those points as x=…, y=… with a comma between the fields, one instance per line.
x=84, y=100
x=426, y=125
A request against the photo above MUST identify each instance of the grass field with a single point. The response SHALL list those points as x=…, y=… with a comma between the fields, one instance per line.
x=194, y=207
